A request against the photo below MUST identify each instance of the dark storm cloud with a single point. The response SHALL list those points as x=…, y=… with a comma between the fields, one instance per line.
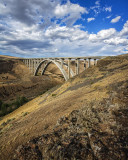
x=22, y=12
x=29, y=11
x=2, y=29
x=29, y=44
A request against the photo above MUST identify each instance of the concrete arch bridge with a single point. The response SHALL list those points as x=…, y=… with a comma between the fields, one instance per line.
x=68, y=66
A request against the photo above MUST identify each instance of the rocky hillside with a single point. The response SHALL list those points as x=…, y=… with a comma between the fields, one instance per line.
x=85, y=118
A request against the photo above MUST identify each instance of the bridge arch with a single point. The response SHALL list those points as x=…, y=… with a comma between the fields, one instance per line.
x=43, y=71
x=57, y=64
x=62, y=63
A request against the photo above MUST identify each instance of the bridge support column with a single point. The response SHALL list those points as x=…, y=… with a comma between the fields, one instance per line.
x=24, y=61
x=43, y=66
x=33, y=66
x=62, y=62
x=77, y=66
x=94, y=62
x=84, y=64
x=29, y=64
x=89, y=62
x=37, y=62
x=69, y=67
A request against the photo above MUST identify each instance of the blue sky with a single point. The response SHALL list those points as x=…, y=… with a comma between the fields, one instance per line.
x=105, y=8
x=61, y=28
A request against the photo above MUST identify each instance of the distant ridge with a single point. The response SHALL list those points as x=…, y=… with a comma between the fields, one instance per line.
x=8, y=57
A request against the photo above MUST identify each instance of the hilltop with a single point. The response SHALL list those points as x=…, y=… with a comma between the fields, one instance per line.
x=8, y=57
x=84, y=118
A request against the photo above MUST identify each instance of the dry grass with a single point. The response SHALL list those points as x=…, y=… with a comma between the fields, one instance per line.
x=44, y=111
x=7, y=57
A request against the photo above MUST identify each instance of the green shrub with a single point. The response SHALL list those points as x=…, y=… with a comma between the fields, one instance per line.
x=10, y=109
x=23, y=100
x=1, y=104
x=7, y=108
x=17, y=102
x=3, y=109
x=26, y=113
x=20, y=101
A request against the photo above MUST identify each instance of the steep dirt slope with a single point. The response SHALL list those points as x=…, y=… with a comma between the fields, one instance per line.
x=86, y=116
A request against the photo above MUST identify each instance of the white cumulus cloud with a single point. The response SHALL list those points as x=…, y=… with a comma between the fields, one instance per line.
x=108, y=9
x=108, y=17
x=97, y=2
x=69, y=8
x=116, y=41
x=69, y=12
x=103, y=34
x=90, y=19
x=115, y=20
x=45, y=28
x=124, y=31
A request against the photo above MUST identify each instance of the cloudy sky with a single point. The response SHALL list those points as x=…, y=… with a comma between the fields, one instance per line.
x=59, y=28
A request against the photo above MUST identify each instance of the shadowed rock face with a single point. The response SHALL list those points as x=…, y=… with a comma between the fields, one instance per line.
x=6, y=66
x=98, y=131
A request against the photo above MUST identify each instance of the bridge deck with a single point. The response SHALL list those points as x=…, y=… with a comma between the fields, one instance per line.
x=87, y=57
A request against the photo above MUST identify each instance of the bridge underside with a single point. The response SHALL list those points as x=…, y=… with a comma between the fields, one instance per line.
x=68, y=67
